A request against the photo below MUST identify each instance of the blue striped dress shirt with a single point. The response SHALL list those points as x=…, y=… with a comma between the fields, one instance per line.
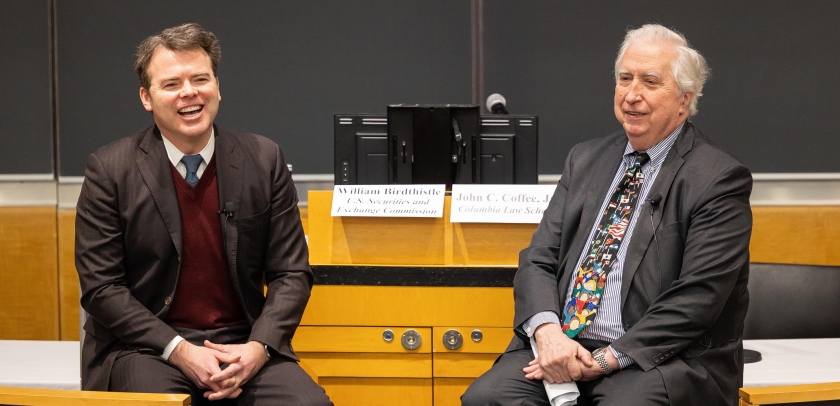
x=607, y=325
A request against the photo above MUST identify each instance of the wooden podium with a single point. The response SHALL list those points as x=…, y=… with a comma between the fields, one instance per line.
x=409, y=241
x=341, y=337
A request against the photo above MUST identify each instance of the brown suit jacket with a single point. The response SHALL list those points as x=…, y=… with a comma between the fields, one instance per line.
x=683, y=298
x=129, y=240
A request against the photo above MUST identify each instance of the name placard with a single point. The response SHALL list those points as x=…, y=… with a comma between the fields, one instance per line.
x=388, y=201
x=499, y=203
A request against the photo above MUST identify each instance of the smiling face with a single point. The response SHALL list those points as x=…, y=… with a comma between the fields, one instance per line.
x=647, y=99
x=183, y=96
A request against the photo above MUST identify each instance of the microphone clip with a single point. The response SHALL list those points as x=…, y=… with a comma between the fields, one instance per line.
x=227, y=211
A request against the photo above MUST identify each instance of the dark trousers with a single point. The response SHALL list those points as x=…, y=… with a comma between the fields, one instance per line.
x=281, y=381
x=505, y=384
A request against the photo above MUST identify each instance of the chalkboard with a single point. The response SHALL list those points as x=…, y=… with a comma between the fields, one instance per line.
x=287, y=67
x=25, y=103
x=771, y=100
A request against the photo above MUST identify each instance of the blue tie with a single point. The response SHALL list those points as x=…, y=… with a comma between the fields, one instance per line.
x=192, y=162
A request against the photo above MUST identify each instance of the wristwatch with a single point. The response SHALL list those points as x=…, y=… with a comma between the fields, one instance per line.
x=267, y=353
x=598, y=354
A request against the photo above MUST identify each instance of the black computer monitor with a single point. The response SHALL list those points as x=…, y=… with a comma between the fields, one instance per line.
x=434, y=144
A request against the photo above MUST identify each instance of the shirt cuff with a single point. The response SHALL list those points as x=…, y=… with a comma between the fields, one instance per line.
x=530, y=325
x=624, y=360
x=167, y=351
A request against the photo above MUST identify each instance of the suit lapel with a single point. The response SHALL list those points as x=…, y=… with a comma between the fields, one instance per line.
x=643, y=231
x=155, y=169
x=603, y=173
x=228, y=176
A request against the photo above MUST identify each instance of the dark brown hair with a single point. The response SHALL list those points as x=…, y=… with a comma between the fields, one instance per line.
x=180, y=38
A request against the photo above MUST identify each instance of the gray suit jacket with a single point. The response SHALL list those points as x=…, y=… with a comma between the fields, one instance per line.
x=129, y=240
x=683, y=308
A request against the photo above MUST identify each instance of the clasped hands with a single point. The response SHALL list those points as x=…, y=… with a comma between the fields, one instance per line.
x=562, y=359
x=202, y=366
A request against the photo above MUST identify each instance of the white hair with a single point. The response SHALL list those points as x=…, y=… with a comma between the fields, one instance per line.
x=689, y=68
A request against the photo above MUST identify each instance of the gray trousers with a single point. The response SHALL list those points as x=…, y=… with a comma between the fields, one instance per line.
x=505, y=385
x=281, y=381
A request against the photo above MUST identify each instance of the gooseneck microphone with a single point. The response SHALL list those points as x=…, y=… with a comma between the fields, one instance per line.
x=496, y=104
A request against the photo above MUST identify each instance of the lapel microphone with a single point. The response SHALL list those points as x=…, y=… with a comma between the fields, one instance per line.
x=654, y=201
x=228, y=210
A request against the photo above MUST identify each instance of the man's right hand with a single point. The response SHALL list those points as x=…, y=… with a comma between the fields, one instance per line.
x=201, y=363
x=560, y=357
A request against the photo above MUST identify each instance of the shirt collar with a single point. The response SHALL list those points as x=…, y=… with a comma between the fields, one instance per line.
x=658, y=152
x=175, y=154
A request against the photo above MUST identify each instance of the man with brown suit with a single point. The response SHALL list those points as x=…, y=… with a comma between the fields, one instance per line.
x=179, y=228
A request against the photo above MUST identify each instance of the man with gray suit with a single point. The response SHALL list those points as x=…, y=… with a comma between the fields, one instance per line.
x=179, y=229
x=635, y=282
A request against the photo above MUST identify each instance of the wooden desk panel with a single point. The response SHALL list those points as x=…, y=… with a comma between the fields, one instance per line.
x=68, y=279
x=28, y=274
x=376, y=306
x=409, y=241
x=795, y=235
x=378, y=391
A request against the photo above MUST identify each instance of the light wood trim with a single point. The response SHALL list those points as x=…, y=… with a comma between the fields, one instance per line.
x=742, y=403
x=55, y=397
x=795, y=235
x=378, y=391
x=452, y=365
x=335, y=305
x=357, y=339
x=494, y=340
x=368, y=365
x=29, y=277
x=769, y=395
x=68, y=278
x=448, y=391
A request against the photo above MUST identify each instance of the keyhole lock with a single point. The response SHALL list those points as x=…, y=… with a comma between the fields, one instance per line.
x=476, y=335
x=411, y=339
x=388, y=335
x=452, y=339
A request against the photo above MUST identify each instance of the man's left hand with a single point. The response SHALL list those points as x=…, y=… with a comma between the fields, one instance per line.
x=252, y=358
x=593, y=371
x=590, y=372
x=589, y=368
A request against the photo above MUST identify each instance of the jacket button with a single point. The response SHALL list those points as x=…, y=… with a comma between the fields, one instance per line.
x=167, y=301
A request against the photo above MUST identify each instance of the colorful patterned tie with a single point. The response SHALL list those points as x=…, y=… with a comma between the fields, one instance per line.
x=592, y=275
x=192, y=162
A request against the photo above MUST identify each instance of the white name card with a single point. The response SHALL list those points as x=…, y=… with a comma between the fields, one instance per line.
x=499, y=203
x=388, y=201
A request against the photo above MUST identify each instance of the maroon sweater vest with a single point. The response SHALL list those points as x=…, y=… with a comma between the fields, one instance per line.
x=205, y=298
